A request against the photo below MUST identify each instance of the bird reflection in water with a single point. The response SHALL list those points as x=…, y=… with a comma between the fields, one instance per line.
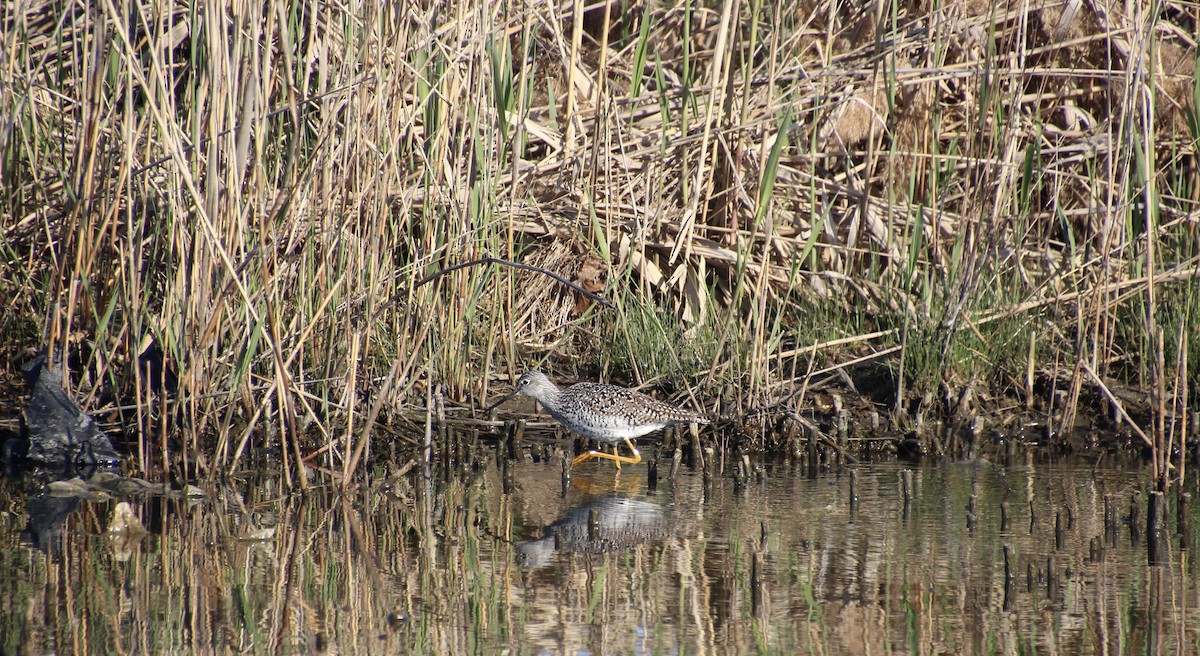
x=601, y=525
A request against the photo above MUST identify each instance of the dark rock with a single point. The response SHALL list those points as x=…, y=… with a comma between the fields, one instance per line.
x=55, y=431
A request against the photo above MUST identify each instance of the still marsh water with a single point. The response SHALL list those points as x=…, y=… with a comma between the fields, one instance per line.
x=783, y=564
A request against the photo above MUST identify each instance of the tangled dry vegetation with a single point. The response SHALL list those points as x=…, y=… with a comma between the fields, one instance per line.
x=233, y=211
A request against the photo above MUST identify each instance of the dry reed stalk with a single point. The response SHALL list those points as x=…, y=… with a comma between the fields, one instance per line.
x=256, y=191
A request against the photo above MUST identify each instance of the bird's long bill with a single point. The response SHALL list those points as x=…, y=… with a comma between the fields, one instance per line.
x=497, y=403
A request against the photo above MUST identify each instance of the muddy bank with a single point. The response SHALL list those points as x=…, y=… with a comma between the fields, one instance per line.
x=836, y=420
x=841, y=420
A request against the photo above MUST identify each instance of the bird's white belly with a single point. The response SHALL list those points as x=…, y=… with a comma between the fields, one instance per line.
x=609, y=429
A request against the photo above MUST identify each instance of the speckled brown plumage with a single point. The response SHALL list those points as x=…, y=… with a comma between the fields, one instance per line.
x=605, y=413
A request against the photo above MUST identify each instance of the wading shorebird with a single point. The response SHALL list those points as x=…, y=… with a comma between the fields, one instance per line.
x=604, y=413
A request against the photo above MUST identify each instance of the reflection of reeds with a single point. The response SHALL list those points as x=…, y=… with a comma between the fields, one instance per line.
x=783, y=565
x=997, y=194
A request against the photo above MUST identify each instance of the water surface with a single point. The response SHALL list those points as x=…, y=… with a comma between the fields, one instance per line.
x=610, y=564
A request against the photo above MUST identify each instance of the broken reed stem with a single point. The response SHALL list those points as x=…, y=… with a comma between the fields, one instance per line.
x=1161, y=457
x=1183, y=413
x=1177, y=414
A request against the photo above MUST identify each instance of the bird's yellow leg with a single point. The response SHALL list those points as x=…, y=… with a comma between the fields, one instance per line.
x=616, y=457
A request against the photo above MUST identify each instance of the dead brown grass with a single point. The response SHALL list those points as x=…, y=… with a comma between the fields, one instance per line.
x=257, y=193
